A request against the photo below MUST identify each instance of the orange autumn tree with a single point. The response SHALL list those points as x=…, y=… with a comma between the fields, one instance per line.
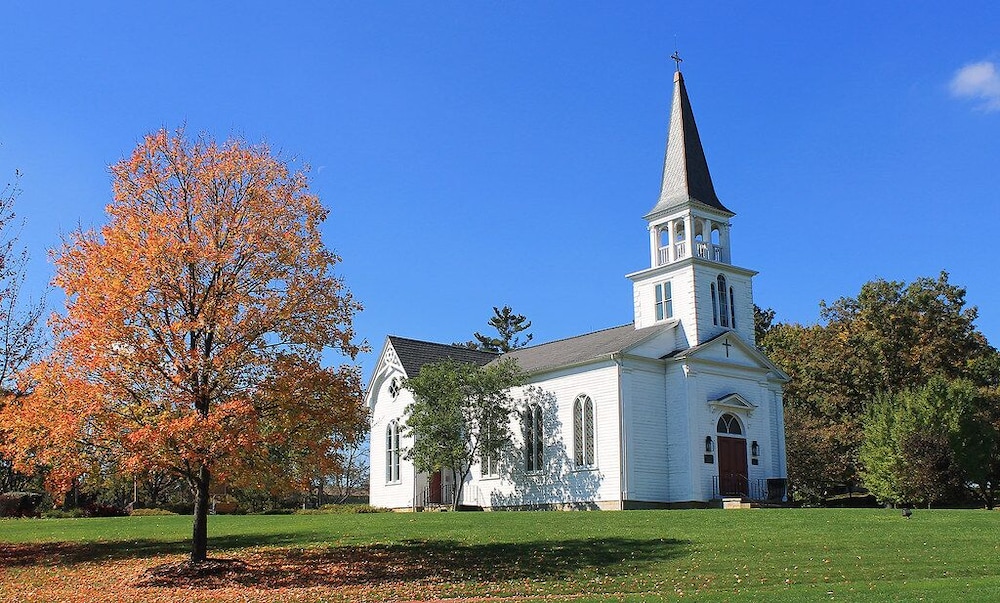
x=194, y=329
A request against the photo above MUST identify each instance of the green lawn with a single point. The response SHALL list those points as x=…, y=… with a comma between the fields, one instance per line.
x=705, y=555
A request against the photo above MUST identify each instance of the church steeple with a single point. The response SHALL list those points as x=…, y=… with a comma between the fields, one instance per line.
x=685, y=169
x=691, y=282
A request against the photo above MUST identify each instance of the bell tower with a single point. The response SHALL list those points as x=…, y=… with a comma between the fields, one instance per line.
x=691, y=282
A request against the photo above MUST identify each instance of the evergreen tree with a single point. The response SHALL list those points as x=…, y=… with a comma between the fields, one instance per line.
x=508, y=325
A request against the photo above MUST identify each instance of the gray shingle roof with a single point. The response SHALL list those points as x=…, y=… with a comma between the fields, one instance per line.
x=685, y=169
x=579, y=349
x=414, y=353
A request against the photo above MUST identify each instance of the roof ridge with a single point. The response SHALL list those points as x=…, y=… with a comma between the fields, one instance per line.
x=538, y=345
x=444, y=345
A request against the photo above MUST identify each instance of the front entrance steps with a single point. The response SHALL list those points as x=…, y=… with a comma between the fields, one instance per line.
x=742, y=502
x=737, y=502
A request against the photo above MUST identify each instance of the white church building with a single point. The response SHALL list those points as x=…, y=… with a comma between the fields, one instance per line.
x=677, y=408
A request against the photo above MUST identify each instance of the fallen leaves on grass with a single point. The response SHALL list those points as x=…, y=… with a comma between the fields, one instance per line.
x=211, y=573
x=408, y=570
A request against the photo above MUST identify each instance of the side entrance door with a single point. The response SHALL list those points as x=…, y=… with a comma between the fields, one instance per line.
x=434, y=494
x=733, y=467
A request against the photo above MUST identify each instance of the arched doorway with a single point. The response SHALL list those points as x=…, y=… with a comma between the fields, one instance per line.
x=733, y=474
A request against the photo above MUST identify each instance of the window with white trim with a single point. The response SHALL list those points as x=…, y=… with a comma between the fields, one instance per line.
x=490, y=466
x=729, y=424
x=392, y=452
x=723, y=301
x=664, y=301
x=583, y=432
x=533, y=438
x=715, y=305
x=732, y=309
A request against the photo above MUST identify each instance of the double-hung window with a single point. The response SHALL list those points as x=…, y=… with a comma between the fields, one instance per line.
x=664, y=301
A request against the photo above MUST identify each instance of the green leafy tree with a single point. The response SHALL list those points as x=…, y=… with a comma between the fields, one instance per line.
x=913, y=441
x=880, y=452
x=892, y=337
x=763, y=318
x=508, y=326
x=460, y=416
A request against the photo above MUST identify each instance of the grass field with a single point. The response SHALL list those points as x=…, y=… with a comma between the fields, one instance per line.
x=703, y=555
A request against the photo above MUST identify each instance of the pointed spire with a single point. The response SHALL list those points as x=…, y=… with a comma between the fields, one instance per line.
x=685, y=170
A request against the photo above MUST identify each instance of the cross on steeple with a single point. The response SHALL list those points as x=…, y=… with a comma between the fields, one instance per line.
x=677, y=59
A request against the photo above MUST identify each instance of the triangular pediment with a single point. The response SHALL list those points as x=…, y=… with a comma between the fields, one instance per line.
x=733, y=401
x=729, y=348
x=388, y=366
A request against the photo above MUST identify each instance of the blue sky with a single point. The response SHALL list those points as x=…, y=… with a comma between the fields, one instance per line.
x=481, y=154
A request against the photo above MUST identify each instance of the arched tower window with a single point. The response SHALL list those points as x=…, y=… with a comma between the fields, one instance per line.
x=723, y=301
x=533, y=437
x=732, y=309
x=715, y=305
x=729, y=424
x=392, y=452
x=583, y=432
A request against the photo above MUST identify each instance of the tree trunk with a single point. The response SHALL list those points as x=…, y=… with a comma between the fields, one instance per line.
x=456, y=489
x=199, y=538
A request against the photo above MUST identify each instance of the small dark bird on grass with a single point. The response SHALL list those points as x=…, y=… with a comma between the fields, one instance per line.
x=907, y=512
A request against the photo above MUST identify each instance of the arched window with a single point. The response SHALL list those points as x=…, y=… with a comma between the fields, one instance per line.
x=392, y=452
x=715, y=306
x=490, y=465
x=583, y=432
x=729, y=424
x=533, y=440
x=732, y=309
x=723, y=301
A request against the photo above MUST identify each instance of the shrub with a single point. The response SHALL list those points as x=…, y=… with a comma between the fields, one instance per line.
x=19, y=504
x=63, y=514
x=184, y=508
x=100, y=510
x=342, y=510
x=150, y=512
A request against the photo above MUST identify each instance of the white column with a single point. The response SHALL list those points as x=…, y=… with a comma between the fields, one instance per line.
x=670, y=241
x=706, y=237
x=724, y=241
x=688, y=233
x=654, y=245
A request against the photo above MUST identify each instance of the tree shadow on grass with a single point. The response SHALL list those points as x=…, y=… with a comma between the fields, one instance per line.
x=435, y=561
x=68, y=553
x=427, y=562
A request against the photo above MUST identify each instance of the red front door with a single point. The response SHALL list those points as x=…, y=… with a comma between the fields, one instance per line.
x=733, y=467
x=434, y=496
